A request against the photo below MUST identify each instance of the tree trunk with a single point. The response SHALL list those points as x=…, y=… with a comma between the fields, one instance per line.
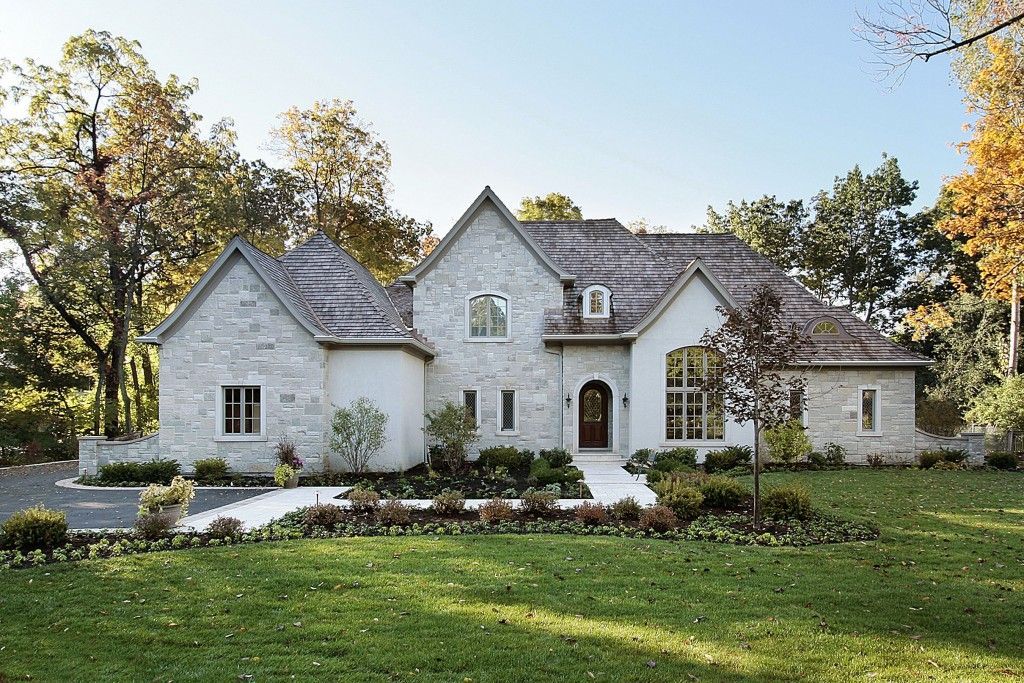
x=1011, y=360
x=757, y=474
x=139, y=408
x=97, y=412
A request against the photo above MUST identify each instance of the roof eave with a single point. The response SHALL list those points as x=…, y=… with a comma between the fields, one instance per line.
x=377, y=341
x=923, y=362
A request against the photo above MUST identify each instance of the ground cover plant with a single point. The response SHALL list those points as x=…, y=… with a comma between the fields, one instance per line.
x=938, y=596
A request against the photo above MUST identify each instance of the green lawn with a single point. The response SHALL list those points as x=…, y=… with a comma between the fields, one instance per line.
x=939, y=597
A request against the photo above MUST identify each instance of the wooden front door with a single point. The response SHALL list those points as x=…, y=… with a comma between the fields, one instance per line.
x=594, y=399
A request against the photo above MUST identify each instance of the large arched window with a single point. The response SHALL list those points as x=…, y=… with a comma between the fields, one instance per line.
x=689, y=412
x=488, y=317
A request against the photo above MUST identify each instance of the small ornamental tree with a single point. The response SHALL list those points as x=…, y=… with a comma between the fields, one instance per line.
x=755, y=347
x=452, y=431
x=358, y=433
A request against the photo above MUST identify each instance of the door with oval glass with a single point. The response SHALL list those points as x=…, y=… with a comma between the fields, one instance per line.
x=594, y=400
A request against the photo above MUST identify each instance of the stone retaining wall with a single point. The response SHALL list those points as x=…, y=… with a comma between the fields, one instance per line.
x=96, y=451
x=972, y=442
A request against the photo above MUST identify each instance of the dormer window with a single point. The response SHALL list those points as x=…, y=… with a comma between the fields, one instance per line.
x=597, y=302
x=825, y=327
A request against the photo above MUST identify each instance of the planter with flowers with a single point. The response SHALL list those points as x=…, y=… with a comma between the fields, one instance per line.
x=289, y=464
x=168, y=502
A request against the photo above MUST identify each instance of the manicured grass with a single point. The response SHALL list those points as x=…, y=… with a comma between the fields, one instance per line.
x=940, y=596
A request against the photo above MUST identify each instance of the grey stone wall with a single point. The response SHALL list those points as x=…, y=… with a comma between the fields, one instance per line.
x=972, y=442
x=833, y=411
x=490, y=256
x=241, y=334
x=610, y=364
x=96, y=451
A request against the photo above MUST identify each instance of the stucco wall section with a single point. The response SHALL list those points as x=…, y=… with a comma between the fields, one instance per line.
x=490, y=256
x=393, y=380
x=610, y=364
x=833, y=411
x=682, y=323
x=241, y=334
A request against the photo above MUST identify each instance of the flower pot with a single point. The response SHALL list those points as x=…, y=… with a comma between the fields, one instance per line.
x=171, y=513
x=292, y=482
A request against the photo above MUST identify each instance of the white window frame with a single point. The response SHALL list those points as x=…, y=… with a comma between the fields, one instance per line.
x=804, y=408
x=500, y=415
x=666, y=390
x=219, y=434
x=607, y=302
x=877, y=431
x=508, y=317
x=462, y=402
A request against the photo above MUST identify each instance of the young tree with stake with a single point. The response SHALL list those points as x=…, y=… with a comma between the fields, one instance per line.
x=755, y=347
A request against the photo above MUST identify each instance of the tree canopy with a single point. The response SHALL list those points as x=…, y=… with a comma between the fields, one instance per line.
x=552, y=207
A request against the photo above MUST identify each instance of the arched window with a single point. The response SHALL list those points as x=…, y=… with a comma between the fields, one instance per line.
x=488, y=317
x=825, y=327
x=597, y=302
x=691, y=413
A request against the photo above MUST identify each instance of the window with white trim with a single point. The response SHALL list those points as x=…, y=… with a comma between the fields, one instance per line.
x=870, y=403
x=689, y=412
x=242, y=411
x=488, y=317
x=471, y=402
x=798, y=406
x=597, y=302
x=507, y=411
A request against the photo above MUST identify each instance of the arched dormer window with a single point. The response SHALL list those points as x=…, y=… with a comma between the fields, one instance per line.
x=487, y=317
x=825, y=326
x=597, y=302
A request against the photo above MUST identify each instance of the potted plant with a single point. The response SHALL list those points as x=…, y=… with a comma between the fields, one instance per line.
x=289, y=464
x=169, y=502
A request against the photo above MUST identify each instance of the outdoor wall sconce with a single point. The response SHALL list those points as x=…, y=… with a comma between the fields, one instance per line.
x=625, y=400
x=568, y=400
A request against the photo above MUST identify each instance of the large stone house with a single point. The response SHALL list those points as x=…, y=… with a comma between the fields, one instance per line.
x=576, y=334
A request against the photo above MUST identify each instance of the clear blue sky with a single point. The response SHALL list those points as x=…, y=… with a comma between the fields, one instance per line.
x=633, y=109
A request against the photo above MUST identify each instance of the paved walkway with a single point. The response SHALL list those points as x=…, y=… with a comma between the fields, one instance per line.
x=93, y=508
x=608, y=483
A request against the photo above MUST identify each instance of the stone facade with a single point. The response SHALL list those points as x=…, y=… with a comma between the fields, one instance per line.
x=96, y=451
x=972, y=442
x=610, y=364
x=833, y=411
x=491, y=257
x=241, y=334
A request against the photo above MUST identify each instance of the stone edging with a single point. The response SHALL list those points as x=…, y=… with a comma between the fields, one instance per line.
x=70, y=484
x=19, y=470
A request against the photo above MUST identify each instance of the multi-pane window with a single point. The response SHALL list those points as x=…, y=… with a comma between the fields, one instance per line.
x=507, y=410
x=488, y=316
x=869, y=410
x=469, y=400
x=796, y=405
x=825, y=327
x=597, y=302
x=691, y=413
x=242, y=410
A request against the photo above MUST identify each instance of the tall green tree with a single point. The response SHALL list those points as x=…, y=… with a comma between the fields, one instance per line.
x=771, y=227
x=342, y=170
x=858, y=248
x=105, y=186
x=552, y=207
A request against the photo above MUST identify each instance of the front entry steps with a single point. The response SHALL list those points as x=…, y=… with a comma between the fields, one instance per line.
x=599, y=457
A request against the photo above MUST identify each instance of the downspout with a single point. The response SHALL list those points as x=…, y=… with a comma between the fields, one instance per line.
x=561, y=387
x=423, y=417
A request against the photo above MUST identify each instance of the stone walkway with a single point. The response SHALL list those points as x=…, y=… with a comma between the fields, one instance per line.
x=608, y=483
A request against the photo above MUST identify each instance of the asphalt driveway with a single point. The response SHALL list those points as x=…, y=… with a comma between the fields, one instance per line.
x=97, y=509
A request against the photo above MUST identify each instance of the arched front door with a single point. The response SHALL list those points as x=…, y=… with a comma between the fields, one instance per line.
x=593, y=418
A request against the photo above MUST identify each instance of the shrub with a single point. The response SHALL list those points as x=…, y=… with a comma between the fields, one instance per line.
x=363, y=500
x=543, y=473
x=393, y=513
x=452, y=430
x=788, y=441
x=788, y=501
x=681, y=478
x=287, y=454
x=727, y=458
x=556, y=457
x=225, y=527
x=1001, y=460
x=358, y=433
x=322, y=515
x=658, y=518
x=156, y=497
x=955, y=455
x=626, y=509
x=720, y=491
x=947, y=465
x=817, y=459
x=508, y=457
x=118, y=472
x=642, y=457
x=930, y=458
x=834, y=454
x=211, y=469
x=34, y=528
x=675, y=459
x=876, y=460
x=152, y=472
x=496, y=510
x=536, y=501
x=591, y=514
x=684, y=501
x=448, y=502
x=654, y=476
x=153, y=527
x=283, y=473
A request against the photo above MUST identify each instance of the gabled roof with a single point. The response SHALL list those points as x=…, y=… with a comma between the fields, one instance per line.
x=460, y=226
x=326, y=290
